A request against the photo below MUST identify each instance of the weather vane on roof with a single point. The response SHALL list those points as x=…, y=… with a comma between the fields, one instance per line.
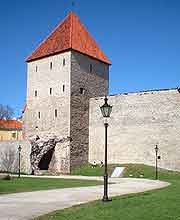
x=73, y=5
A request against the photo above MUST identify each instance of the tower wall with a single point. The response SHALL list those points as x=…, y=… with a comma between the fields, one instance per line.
x=51, y=73
x=138, y=122
x=83, y=78
x=41, y=77
x=93, y=77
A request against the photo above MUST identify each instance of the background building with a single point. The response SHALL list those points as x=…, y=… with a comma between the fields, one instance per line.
x=10, y=130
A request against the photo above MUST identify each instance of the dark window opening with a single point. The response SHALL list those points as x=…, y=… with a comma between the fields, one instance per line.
x=35, y=93
x=56, y=113
x=90, y=68
x=63, y=88
x=51, y=65
x=13, y=135
x=64, y=62
x=36, y=68
x=50, y=91
x=82, y=90
x=39, y=115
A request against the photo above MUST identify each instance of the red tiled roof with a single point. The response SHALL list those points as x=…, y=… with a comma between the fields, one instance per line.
x=10, y=124
x=69, y=34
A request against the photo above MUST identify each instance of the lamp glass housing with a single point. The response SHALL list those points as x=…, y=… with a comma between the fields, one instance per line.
x=156, y=148
x=106, y=109
x=19, y=148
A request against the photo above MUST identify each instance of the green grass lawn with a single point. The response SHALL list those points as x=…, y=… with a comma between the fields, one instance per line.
x=87, y=170
x=26, y=184
x=162, y=204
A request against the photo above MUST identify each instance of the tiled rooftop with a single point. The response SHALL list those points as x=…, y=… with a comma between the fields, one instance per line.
x=69, y=34
x=10, y=124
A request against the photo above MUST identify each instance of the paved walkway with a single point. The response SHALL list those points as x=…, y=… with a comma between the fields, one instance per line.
x=28, y=205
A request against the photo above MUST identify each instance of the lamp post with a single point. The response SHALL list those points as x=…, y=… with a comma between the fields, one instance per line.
x=156, y=151
x=106, y=110
x=19, y=151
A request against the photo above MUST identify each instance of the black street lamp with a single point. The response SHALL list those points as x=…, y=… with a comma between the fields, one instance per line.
x=106, y=110
x=19, y=150
x=156, y=151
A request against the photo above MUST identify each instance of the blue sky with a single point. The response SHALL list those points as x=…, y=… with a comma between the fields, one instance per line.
x=141, y=38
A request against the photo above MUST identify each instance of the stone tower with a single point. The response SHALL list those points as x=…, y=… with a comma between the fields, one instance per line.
x=65, y=70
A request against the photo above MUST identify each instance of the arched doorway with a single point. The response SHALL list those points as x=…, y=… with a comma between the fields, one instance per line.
x=45, y=160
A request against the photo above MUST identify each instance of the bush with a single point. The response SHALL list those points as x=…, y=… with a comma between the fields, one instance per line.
x=8, y=177
x=5, y=177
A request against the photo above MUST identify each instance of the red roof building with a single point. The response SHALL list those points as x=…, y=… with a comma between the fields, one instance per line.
x=69, y=34
x=10, y=125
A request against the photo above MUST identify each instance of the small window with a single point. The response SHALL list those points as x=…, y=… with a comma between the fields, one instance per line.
x=39, y=115
x=50, y=91
x=50, y=65
x=82, y=91
x=63, y=88
x=36, y=68
x=56, y=113
x=13, y=135
x=90, y=68
x=64, y=62
x=35, y=93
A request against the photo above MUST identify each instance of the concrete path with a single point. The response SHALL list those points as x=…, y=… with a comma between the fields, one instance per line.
x=22, y=206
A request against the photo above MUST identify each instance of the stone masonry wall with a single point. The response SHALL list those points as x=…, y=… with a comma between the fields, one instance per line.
x=48, y=90
x=95, y=84
x=41, y=78
x=60, y=162
x=138, y=122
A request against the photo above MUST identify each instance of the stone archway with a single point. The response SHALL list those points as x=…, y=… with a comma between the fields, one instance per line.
x=45, y=160
x=42, y=152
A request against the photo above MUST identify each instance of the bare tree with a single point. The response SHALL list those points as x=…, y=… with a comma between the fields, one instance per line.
x=6, y=112
x=8, y=158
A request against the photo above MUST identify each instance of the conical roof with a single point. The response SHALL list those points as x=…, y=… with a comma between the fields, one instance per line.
x=69, y=34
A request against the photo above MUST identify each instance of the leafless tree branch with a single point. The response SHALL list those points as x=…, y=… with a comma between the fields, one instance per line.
x=6, y=112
